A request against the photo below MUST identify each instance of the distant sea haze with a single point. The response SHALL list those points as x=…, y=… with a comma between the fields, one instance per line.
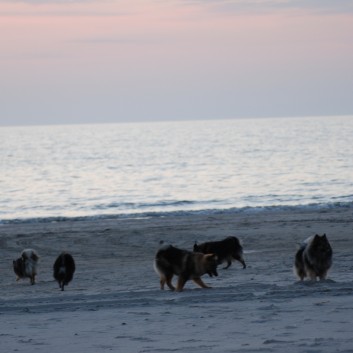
x=138, y=169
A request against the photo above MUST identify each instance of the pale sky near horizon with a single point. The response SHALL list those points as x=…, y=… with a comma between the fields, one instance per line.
x=138, y=60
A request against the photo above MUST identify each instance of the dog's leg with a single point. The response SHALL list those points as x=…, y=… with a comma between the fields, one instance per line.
x=299, y=271
x=301, y=275
x=229, y=262
x=311, y=274
x=169, y=282
x=200, y=282
x=180, y=284
x=240, y=259
x=162, y=281
x=323, y=275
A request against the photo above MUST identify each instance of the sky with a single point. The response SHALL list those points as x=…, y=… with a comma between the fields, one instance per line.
x=89, y=61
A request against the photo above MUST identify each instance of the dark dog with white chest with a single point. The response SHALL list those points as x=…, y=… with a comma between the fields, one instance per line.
x=314, y=258
x=227, y=249
x=64, y=268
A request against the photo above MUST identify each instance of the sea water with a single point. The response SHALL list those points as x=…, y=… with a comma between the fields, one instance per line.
x=139, y=169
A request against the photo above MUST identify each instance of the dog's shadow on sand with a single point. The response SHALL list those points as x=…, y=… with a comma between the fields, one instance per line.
x=311, y=283
x=323, y=287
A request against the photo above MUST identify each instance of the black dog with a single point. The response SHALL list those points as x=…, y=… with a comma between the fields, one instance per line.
x=64, y=268
x=226, y=250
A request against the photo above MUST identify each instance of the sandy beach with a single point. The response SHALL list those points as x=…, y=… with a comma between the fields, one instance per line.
x=114, y=302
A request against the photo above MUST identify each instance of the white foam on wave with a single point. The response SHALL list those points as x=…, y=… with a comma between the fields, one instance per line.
x=147, y=215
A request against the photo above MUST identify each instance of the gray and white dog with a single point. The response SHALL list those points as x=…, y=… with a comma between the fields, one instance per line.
x=314, y=258
x=26, y=265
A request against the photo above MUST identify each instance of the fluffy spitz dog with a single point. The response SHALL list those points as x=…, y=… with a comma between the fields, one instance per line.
x=314, y=258
x=170, y=261
x=26, y=265
x=64, y=268
x=226, y=250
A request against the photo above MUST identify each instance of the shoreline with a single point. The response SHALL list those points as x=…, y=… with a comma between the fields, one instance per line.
x=114, y=302
x=318, y=207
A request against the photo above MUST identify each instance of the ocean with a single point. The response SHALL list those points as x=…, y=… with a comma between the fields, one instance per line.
x=58, y=173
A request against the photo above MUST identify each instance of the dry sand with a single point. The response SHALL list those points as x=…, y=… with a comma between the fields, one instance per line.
x=114, y=303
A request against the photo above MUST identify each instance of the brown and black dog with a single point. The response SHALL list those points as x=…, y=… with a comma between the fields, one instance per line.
x=170, y=261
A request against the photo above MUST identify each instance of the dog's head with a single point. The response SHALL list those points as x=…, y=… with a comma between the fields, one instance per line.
x=321, y=246
x=29, y=254
x=211, y=262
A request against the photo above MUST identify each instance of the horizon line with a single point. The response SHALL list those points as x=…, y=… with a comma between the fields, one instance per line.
x=140, y=121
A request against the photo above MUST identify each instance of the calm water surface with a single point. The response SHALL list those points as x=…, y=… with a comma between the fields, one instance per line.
x=98, y=170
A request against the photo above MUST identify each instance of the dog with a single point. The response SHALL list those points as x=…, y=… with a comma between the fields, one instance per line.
x=170, y=261
x=314, y=258
x=26, y=265
x=64, y=269
x=226, y=250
